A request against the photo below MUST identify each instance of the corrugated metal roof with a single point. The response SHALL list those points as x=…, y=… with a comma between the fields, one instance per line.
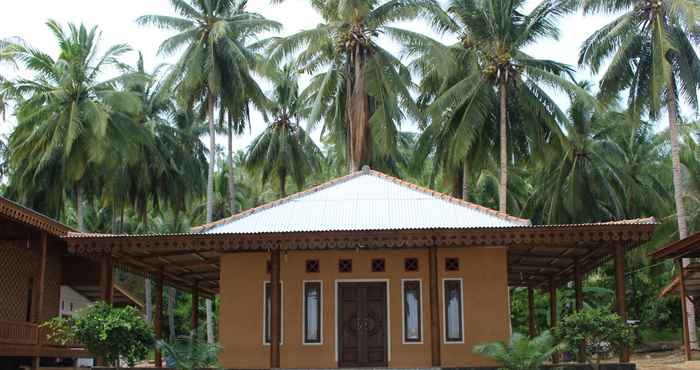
x=366, y=200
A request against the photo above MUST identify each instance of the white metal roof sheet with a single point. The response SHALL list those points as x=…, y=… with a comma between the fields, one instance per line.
x=364, y=201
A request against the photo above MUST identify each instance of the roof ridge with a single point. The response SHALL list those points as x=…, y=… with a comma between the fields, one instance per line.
x=342, y=179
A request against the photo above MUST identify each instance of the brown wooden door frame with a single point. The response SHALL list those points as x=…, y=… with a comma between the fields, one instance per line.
x=362, y=283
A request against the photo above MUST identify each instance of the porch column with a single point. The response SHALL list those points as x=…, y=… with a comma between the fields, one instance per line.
x=275, y=325
x=553, y=312
x=620, y=293
x=158, y=317
x=531, y=312
x=578, y=287
x=106, y=279
x=41, y=276
x=434, y=309
x=195, y=306
x=684, y=311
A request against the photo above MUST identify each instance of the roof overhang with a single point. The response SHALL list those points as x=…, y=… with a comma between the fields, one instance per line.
x=684, y=248
x=537, y=255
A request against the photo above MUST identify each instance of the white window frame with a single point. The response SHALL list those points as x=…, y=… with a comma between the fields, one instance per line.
x=403, y=310
x=444, y=315
x=264, y=316
x=303, y=314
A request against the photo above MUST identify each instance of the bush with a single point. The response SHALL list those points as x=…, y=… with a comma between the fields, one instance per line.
x=190, y=352
x=595, y=331
x=521, y=352
x=111, y=333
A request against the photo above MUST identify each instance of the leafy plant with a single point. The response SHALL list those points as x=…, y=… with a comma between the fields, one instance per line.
x=521, y=352
x=595, y=332
x=190, y=352
x=114, y=334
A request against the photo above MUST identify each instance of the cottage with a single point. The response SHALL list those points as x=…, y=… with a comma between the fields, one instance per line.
x=369, y=271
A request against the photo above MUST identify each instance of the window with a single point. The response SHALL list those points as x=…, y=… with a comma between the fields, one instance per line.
x=30, y=298
x=312, y=312
x=451, y=264
x=312, y=266
x=345, y=265
x=267, y=314
x=378, y=265
x=410, y=264
x=412, y=326
x=453, y=310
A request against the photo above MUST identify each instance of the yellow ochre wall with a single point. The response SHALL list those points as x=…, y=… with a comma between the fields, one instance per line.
x=485, y=297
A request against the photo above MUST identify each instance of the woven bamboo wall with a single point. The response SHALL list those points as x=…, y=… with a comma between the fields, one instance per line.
x=19, y=264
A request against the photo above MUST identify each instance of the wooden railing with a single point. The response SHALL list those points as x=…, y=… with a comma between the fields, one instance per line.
x=17, y=332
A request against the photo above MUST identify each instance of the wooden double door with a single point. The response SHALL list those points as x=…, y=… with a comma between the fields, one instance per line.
x=362, y=324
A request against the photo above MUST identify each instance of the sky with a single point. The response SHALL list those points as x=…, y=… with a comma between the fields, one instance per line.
x=115, y=18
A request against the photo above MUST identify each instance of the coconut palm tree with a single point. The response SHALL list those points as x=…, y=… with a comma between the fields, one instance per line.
x=496, y=32
x=216, y=64
x=360, y=91
x=285, y=148
x=650, y=47
x=63, y=119
x=6, y=58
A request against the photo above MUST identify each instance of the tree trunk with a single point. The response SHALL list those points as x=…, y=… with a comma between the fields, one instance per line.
x=503, y=184
x=679, y=192
x=210, y=321
x=465, y=179
x=212, y=158
x=361, y=131
x=171, y=312
x=148, y=298
x=231, y=178
x=80, y=207
x=283, y=184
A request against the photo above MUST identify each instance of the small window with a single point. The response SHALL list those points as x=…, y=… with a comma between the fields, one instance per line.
x=267, y=314
x=378, y=265
x=312, y=266
x=412, y=311
x=30, y=299
x=410, y=264
x=312, y=312
x=451, y=264
x=345, y=265
x=268, y=267
x=453, y=311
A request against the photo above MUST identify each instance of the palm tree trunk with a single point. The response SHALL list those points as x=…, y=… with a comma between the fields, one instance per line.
x=348, y=117
x=212, y=158
x=210, y=321
x=503, y=184
x=80, y=207
x=171, y=312
x=465, y=179
x=362, y=135
x=148, y=298
x=679, y=192
x=231, y=178
x=283, y=184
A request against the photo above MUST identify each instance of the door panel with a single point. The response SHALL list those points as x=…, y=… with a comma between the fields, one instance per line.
x=362, y=324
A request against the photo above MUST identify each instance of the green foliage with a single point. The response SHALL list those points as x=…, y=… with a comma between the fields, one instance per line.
x=521, y=352
x=190, y=352
x=116, y=334
x=598, y=331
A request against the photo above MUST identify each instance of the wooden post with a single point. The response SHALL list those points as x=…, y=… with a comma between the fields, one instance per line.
x=195, y=306
x=158, y=317
x=684, y=311
x=275, y=325
x=620, y=293
x=578, y=285
x=434, y=310
x=42, y=278
x=106, y=279
x=531, y=312
x=553, y=312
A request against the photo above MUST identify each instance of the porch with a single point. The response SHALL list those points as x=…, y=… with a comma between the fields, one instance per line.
x=25, y=339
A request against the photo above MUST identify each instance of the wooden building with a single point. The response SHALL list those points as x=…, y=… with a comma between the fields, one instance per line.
x=34, y=266
x=369, y=270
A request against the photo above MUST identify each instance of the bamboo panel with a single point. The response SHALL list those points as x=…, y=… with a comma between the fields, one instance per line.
x=15, y=332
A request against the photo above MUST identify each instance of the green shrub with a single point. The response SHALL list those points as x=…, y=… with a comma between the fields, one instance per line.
x=521, y=352
x=595, y=331
x=111, y=333
x=190, y=352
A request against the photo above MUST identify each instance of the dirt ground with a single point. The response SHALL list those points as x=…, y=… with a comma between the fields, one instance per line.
x=672, y=359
